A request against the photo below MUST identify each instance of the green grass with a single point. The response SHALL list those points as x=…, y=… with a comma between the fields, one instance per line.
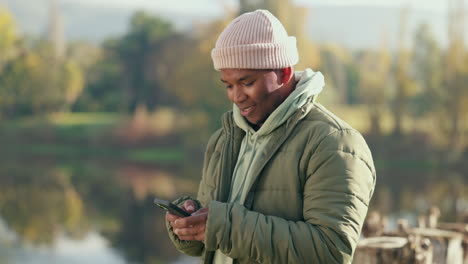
x=64, y=120
x=153, y=155
x=163, y=155
x=76, y=136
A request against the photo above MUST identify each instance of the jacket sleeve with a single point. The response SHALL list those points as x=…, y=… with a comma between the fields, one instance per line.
x=191, y=248
x=340, y=182
x=194, y=248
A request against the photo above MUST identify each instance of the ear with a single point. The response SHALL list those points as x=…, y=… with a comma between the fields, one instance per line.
x=287, y=74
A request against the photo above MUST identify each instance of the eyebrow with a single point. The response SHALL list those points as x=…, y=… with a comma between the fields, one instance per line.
x=240, y=79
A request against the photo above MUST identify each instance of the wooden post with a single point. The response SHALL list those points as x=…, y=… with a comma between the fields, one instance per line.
x=447, y=245
x=391, y=250
x=461, y=228
x=374, y=225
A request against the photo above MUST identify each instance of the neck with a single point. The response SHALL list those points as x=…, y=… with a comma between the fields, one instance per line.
x=288, y=88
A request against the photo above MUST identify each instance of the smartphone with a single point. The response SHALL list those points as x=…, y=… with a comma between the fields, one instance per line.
x=171, y=208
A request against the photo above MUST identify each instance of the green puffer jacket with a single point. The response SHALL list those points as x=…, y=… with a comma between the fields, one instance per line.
x=307, y=203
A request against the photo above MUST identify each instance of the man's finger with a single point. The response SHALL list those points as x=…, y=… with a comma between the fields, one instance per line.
x=190, y=221
x=186, y=237
x=190, y=231
x=200, y=237
x=171, y=218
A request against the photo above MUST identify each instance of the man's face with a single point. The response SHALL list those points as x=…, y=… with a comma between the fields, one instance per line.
x=256, y=92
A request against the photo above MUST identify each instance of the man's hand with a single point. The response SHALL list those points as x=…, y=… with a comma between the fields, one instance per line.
x=191, y=227
x=188, y=206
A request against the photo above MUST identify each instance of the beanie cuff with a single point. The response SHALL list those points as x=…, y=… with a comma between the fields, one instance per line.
x=256, y=56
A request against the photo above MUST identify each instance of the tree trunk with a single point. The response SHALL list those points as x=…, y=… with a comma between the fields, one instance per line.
x=375, y=118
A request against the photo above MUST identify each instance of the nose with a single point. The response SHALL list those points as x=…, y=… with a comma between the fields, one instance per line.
x=238, y=95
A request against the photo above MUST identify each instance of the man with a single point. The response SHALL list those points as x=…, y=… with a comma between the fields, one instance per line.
x=284, y=180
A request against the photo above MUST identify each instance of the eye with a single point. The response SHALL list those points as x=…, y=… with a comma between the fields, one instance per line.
x=228, y=86
x=249, y=84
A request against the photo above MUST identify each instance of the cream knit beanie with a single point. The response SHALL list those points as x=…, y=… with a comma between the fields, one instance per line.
x=255, y=40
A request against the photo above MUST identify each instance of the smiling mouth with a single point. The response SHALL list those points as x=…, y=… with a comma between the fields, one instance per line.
x=247, y=110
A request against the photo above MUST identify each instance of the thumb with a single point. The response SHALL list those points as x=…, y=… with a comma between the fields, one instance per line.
x=189, y=206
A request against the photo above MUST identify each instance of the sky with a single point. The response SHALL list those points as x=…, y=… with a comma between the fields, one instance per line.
x=216, y=6
x=96, y=20
x=433, y=5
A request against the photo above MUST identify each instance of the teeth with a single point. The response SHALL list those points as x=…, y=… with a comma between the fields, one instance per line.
x=248, y=108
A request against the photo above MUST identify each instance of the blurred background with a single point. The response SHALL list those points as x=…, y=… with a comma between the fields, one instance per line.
x=105, y=104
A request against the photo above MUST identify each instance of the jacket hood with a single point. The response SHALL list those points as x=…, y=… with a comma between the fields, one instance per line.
x=309, y=84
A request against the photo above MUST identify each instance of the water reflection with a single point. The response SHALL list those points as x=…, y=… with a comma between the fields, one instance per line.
x=92, y=248
x=89, y=212
x=410, y=192
x=37, y=203
x=99, y=211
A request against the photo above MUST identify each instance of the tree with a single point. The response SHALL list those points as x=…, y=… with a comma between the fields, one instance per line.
x=455, y=78
x=427, y=61
x=33, y=80
x=8, y=37
x=193, y=80
x=126, y=72
x=136, y=51
x=20, y=85
x=405, y=86
x=374, y=71
x=33, y=83
x=73, y=83
x=105, y=82
x=335, y=61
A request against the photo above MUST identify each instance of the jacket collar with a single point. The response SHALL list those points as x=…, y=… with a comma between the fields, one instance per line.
x=232, y=146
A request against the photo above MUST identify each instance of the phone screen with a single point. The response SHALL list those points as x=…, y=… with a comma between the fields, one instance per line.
x=171, y=208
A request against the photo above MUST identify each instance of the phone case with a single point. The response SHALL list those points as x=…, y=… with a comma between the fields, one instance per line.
x=171, y=208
